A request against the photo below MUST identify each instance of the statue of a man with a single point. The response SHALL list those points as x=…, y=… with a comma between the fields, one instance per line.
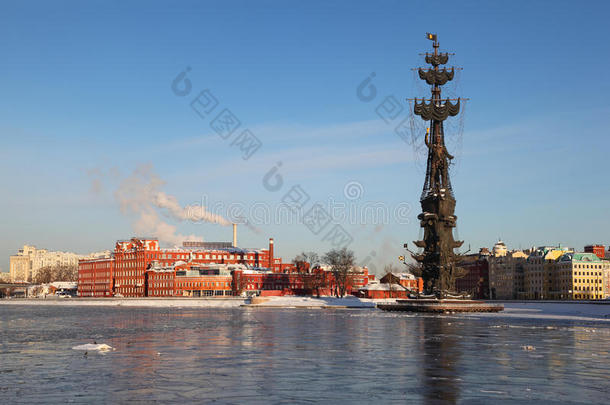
x=440, y=161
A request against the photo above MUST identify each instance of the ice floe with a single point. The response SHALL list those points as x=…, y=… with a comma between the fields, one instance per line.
x=102, y=347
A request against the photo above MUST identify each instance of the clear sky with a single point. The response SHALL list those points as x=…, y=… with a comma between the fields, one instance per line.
x=86, y=99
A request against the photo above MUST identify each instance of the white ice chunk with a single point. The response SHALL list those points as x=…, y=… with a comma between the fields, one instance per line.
x=94, y=346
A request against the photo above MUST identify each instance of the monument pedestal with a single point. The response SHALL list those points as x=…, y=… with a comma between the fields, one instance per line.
x=441, y=306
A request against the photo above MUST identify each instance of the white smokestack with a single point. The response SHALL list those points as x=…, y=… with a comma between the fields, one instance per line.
x=234, y=235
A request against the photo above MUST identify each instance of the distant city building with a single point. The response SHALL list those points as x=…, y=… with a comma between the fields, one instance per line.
x=550, y=273
x=384, y=291
x=407, y=280
x=476, y=280
x=540, y=280
x=499, y=249
x=598, y=250
x=506, y=274
x=188, y=280
x=124, y=271
x=582, y=276
x=24, y=266
x=392, y=285
x=140, y=268
x=20, y=268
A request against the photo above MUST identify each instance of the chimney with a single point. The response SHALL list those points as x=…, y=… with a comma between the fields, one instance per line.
x=271, y=267
x=234, y=235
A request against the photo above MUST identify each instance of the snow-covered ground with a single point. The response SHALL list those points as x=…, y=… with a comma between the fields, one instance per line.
x=289, y=302
x=529, y=309
x=553, y=310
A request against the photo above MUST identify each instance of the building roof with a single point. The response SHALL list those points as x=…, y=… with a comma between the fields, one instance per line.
x=579, y=257
x=382, y=287
x=401, y=276
x=64, y=284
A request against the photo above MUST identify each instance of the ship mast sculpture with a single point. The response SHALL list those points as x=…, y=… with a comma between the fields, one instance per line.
x=438, y=260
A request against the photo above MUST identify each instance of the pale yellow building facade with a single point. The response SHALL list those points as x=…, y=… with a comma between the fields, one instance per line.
x=24, y=266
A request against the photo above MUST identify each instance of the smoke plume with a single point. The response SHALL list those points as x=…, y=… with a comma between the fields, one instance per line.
x=139, y=195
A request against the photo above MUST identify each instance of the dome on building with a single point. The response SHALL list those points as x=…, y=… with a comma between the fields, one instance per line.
x=499, y=249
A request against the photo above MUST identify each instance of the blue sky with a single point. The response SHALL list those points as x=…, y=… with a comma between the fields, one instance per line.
x=87, y=99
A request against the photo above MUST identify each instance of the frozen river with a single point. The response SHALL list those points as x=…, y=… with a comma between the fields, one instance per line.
x=273, y=355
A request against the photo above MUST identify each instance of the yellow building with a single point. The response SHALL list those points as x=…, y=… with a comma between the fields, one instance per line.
x=581, y=276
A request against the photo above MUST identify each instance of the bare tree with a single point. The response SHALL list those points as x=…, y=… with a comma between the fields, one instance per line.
x=315, y=281
x=44, y=275
x=306, y=261
x=342, y=262
x=49, y=274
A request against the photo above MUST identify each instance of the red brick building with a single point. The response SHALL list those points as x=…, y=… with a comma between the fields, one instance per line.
x=320, y=281
x=95, y=277
x=140, y=268
x=407, y=280
x=124, y=272
x=598, y=250
x=188, y=280
x=476, y=280
x=383, y=291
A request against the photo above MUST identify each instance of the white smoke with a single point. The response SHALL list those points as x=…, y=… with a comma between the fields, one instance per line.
x=139, y=194
x=194, y=213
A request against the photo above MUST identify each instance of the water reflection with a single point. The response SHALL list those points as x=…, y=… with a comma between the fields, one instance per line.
x=441, y=351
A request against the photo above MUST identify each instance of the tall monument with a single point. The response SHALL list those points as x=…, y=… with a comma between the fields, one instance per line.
x=437, y=259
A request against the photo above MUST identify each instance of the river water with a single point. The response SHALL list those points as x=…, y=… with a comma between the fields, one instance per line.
x=268, y=355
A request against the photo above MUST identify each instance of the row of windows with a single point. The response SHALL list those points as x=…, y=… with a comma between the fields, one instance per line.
x=203, y=293
x=590, y=289
x=588, y=266
x=157, y=285
x=203, y=284
x=587, y=281
x=588, y=296
x=587, y=273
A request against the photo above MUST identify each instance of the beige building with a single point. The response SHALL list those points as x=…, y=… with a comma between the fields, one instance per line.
x=540, y=278
x=20, y=268
x=548, y=273
x=24, y=266
x=506, y=272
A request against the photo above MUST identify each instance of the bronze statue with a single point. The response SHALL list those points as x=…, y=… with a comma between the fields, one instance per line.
x=438, y=259
x=440, y=163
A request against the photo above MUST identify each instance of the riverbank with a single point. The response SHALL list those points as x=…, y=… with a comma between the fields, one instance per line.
x=312, y=302
x=554, y=310
x=130, y=302
x=179, y=302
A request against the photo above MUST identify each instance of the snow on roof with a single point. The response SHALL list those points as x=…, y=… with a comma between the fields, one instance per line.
x=402, y=276
x=199, y=249
x=382, y=287
x=64, y=284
